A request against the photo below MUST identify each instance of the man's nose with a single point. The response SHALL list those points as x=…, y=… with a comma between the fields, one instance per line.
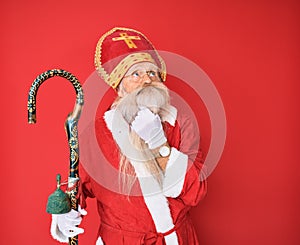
x=146, y=78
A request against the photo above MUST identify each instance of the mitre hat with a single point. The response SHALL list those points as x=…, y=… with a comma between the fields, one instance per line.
x=120, y=48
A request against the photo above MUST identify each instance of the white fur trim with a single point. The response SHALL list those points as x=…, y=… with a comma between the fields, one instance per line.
x=156, y=202
x=55, y=232
x=99, y=241
x=175, y=173
x=172, y=239
x=108, y=118
x=120, y=132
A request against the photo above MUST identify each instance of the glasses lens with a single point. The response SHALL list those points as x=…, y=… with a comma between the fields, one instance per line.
x=137, y=75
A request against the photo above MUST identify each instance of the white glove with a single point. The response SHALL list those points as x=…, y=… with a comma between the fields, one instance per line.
x=65, y=225
x=148, y=126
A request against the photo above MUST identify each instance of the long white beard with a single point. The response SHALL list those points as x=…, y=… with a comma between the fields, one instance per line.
x=156, y=98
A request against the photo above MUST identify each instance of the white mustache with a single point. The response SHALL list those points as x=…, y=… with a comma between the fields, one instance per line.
x=154, y=96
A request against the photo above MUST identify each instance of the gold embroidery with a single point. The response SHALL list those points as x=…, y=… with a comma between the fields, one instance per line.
x=128, y=39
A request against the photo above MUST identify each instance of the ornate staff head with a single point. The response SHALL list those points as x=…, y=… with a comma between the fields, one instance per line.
x=31, y=106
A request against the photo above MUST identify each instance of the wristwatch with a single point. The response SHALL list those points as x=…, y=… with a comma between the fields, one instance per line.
x=164, y=151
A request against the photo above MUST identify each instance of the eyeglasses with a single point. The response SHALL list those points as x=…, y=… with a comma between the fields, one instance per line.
x=139, y=74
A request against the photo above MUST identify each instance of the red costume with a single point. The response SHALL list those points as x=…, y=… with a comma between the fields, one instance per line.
x=163, y=219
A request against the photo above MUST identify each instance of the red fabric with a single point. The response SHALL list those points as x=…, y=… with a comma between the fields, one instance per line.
x=126, y=219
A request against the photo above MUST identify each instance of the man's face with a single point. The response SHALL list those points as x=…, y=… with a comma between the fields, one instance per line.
x=139, y=75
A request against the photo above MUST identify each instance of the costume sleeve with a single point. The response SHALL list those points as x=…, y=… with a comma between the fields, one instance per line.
x=85, y=188
x=184, y=175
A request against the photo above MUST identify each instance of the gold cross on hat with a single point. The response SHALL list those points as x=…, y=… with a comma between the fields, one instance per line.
x=128, y=39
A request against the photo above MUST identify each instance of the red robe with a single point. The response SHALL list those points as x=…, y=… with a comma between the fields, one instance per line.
x=160, y=218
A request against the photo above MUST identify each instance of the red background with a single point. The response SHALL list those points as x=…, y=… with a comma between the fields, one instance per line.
x=249, y=50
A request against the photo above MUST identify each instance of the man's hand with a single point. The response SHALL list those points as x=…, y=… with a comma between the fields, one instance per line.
x=67, y=223
x=148, y=126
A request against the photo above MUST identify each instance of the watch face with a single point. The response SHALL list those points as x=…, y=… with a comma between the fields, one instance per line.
x=164, y=151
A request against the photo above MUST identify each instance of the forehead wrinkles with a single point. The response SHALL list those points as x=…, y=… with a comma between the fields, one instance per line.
x=143, y=66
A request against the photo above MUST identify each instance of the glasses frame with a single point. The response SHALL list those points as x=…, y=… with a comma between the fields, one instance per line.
x=142, y=73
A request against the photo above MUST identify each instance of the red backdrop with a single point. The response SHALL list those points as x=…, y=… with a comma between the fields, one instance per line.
x=249, y=50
